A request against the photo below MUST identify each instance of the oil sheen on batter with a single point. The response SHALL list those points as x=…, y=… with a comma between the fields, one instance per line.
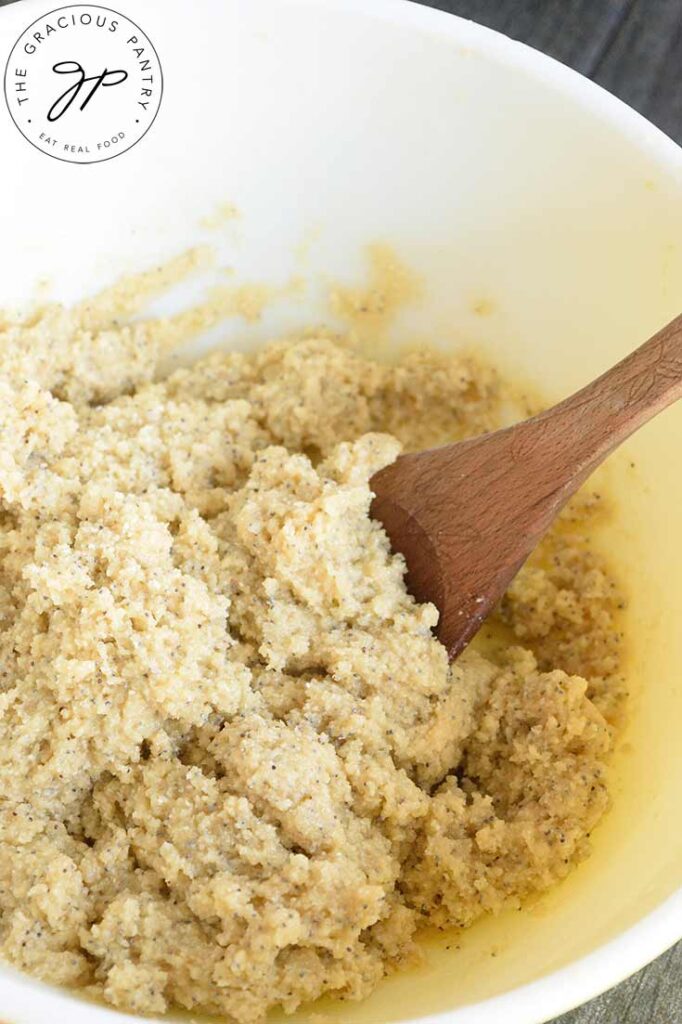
x=236, y=767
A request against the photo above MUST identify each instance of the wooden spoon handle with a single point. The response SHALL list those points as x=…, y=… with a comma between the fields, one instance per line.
x=594, y=421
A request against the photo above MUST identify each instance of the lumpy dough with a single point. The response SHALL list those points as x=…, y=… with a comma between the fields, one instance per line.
x=236, y=767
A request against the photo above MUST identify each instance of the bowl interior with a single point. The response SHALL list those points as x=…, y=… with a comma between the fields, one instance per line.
x=545, y=222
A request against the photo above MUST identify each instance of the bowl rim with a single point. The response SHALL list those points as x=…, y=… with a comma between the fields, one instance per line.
x=561, y=990
x=519, y=55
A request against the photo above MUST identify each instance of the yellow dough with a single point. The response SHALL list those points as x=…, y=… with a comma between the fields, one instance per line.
x=236, y=768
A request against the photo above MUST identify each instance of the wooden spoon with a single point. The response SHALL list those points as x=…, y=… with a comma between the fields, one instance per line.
x=466, y=516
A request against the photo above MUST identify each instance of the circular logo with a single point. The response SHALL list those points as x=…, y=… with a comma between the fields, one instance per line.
x=83, y=83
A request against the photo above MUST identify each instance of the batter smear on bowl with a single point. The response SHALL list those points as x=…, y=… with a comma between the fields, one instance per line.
x=236, y=767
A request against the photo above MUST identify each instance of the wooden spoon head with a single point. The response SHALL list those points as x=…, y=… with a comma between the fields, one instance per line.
x=444, y=511
x=431, y=578
x=428, y=579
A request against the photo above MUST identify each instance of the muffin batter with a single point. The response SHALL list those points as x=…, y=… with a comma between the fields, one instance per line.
x=236, y=767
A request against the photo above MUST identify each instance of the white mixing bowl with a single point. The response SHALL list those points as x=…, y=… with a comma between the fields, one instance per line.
x=514, y=187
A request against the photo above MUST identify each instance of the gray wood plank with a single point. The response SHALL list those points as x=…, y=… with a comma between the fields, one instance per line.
x=653, y=996
x=631, y=47
x=642, y=63
x=576, y=32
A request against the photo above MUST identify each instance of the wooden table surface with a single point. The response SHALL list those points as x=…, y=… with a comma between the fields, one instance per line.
x=634, y=49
